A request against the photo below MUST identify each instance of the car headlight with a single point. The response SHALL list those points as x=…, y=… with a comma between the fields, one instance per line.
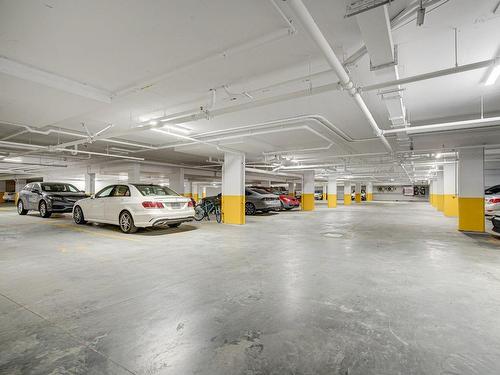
x=55, y=198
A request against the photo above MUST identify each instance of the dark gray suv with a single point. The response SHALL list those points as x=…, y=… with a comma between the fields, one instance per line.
x=48, y=198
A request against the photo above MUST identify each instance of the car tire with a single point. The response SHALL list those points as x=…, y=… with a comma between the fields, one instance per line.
x=250, y=209
x=78, y=216
x=20, y=208
x=43, y=210
x=126, y=222
x=288, y=208
x=176, y=225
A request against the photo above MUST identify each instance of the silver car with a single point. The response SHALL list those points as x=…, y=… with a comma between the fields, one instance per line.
x=492, y=200
x=260, y=200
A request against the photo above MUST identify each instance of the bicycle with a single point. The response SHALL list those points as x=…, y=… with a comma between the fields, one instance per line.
x=205, y=208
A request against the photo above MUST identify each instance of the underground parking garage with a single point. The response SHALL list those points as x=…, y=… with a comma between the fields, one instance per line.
x=319, y=194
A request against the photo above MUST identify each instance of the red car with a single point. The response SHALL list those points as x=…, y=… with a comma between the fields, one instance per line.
x=287, y=202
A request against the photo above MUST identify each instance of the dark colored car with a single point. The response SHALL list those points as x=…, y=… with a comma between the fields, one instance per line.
x=48, y=198
x=287, y=202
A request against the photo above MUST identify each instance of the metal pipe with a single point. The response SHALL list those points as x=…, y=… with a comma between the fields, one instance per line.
x=313, y=29
x=448, y=126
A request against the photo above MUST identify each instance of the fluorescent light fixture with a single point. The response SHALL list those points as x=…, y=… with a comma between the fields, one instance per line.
x=492, y=78
x=438, y=155
x=166, y=129
x=153, y=122
x=12, y=160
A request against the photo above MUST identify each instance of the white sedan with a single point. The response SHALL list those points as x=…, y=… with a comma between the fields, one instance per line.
x=133, y=206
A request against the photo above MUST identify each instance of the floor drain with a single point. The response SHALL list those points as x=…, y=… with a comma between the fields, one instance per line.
x=333, y=235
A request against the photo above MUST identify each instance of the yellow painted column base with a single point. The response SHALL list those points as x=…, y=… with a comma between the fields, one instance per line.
x=471, y=214
x=324, y=197
x=440, y=202
x=347, y=199
x=195, y=197
x=332, y=200
x=431, y=199
x=188, y=195
x=307, y=202
x=16, y=198
x=357, y=197
x=1, y=196
x=233, y=209
x=369, y=197
x=203, y=195
x=450, y=205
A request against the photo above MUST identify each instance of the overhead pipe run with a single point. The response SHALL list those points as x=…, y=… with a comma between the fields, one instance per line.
x=346, y=82
x=449, y=126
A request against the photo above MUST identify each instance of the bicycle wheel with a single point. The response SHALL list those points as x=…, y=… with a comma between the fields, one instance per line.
x=218, y=214
x=199, y=212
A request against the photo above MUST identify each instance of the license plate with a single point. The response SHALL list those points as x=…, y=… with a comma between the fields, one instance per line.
x=175, y=205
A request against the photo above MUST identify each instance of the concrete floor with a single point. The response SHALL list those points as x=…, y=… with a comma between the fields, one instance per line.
x=377, y=288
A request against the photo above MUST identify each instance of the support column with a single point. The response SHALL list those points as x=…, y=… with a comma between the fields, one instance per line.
x=188, y=193
x=369, y=191
x=233, y=188
x=176, y=181
x=471, y=189
x=324, y=191
x=19, y=186
x=450, y=200
x=431, y=192
x=134, y=173
x=291, y=189
x=204, y=192
x=357, y=192
x=440, y=191
x=90, y=183
x=347, y=193
x=2, y=190
x=308, y=191
x=194, y=190
x=332, y=192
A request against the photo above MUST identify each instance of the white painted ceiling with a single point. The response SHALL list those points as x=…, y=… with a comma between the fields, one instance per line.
x=122, y=47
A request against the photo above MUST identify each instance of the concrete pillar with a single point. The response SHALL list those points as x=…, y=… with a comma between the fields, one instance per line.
x=369, y=191
x=291, y=189
x=233, y=188
x=2, y=190
x=332, y=192
x=324, y=191
x=431, y=192
x=347, y=193
x=90, y=183
x=204, y=192
x=19, y=186
x=134, y=173
x=471, y=189
x=450, y=199
x=440, y=191
x=176, y=180
x=307, y=199
x=187, y=189
x=357, y=192
x=194, y=191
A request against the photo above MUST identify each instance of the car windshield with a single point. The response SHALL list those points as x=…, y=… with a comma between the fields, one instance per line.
x=155, y=190
x=59, y=188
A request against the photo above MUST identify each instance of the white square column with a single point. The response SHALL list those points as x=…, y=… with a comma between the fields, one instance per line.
x=176, y=181
x=450, y=199
x=307, y=199
x=90, y=183
x=332, y=192
x=471, y=189
x=233, y=188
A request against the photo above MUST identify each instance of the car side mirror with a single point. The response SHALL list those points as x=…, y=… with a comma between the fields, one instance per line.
x=36, y=191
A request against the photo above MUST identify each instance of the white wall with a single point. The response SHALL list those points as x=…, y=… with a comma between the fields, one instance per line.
x=397, y=195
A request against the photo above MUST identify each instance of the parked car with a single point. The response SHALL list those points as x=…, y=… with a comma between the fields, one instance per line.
x=133, y=206
x=318, y=195
x=363, y=195
x=48, y=198
x=9, y=196
x=492, y=200
x=287, y=202
x=260, y=200
x=495, y=220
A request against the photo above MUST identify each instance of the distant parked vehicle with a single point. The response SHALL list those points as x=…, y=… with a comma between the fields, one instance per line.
x=318, y=195
x=133, y=206
x=492, y=200
x=287, y=202
x=260, y=200
x=9, y=197
x=495, y=220
x=48, y=198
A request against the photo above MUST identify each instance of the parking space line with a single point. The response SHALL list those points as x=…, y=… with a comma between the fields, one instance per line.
x=98, y=234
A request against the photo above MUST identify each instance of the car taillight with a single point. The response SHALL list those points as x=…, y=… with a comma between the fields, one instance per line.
x=494, y=200
x=190, y=204
x=152, y=205
x=286, y=199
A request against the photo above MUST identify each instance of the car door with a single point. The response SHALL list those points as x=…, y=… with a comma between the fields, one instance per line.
x=96, y=207
x=116, y=202
x=35, y=194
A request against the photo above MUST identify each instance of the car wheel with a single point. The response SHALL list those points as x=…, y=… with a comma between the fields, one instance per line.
x=174, y=225
x=127, y=223
x=78, y=216
x=20, y=208
x=44, y=212
x=288, y=208
x=250, y=209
